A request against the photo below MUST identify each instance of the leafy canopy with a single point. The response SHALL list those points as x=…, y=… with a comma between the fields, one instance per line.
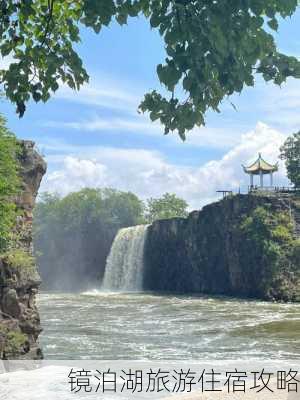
x=168, y=206
x=57, y=217
x=9, y=182
x=290, y=152
x=214, y=48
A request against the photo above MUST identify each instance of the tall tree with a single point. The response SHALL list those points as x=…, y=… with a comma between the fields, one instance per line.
x=168, y=206
x=214, y=49
x=290, y=152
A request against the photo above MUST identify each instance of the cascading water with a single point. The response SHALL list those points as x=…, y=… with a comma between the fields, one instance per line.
x=124, y=265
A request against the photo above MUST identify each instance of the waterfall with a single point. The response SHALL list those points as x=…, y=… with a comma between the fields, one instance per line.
x=124, y=265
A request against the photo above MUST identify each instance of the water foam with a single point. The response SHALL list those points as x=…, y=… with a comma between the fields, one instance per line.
x=125, y=263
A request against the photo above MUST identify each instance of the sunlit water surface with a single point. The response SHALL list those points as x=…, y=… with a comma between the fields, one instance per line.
x=99, y=325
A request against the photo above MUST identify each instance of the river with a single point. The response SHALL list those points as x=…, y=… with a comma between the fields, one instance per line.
x=105, y=325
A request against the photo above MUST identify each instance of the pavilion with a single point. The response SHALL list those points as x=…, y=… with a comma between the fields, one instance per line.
x=260, y=167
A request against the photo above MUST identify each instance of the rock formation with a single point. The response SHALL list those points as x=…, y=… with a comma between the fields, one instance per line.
x=19, y=280
x=209, y=252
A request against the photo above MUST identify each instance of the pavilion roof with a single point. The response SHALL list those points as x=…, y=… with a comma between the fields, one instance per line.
x=260, y=165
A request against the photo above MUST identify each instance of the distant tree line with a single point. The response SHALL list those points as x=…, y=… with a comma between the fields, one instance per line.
x=111, y=206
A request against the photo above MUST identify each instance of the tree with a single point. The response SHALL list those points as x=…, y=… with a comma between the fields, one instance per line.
x=168, y=206
x=57, y=219
x=290, y=152
x=122, y=208
x=214, y=49
x=78, y=210
x=9, y=182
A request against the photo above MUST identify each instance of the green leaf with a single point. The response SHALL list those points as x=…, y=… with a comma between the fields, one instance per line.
x=273, y=24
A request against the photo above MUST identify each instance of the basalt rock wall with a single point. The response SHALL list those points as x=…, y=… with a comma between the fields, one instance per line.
x=208, y=252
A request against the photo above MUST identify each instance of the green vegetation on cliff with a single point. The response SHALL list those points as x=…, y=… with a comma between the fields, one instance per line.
x=19, y=259
x=21, y=170
x=9, y=182
x=11, y=341
x=271, y=235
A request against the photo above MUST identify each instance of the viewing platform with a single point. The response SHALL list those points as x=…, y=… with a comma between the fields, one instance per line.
x=274, y=190
x=261, y=168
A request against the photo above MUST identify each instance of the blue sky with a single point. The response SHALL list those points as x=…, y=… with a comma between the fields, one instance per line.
x=96, y=137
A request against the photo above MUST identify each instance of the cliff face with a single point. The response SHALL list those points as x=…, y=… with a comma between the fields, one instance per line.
x=19, y=280
x=210, y=251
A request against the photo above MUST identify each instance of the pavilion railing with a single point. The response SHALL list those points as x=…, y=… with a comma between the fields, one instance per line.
x=273, y=189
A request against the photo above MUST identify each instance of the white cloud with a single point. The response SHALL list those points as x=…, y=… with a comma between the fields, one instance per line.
x=98, y=124
x=280, y=105
x=147, y=173
x=215, y=138
x=222, y=138
x=106, y=92
x=76, y=174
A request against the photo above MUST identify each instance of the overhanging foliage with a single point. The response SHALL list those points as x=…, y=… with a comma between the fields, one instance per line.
x=214, y=49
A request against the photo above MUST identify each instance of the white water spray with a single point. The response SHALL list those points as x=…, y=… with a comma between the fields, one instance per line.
x=125, y=263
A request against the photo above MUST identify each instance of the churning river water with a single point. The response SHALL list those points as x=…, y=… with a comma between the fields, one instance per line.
x=101, y=325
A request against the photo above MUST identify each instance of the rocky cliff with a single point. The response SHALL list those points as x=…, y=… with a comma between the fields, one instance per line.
x=244, y=245
x=19, y=280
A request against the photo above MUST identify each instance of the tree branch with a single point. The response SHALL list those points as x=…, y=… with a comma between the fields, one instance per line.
x=50, y=8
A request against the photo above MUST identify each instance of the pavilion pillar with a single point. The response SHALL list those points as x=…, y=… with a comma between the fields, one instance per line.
x=271, y=178
x=251, y=180
x=261, y=175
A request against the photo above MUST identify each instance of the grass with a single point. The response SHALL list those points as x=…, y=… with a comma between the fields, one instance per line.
x=13, y=341
x=19, y=259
